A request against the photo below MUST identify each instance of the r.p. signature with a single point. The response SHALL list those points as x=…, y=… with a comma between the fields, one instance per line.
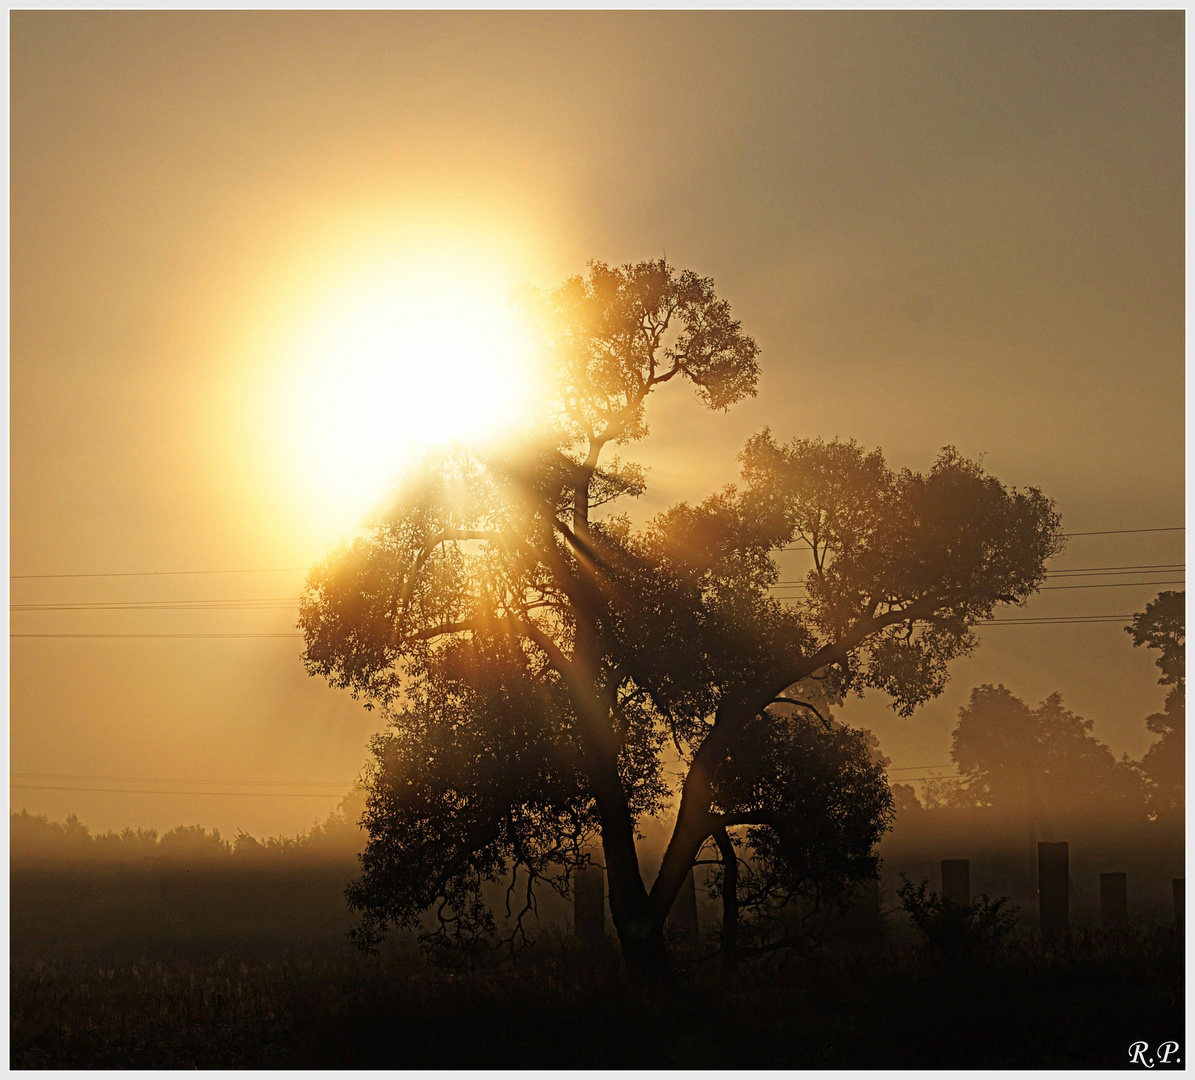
x=1166, y=1054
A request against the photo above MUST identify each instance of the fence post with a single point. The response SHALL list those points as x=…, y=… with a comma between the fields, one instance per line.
x=1114, y=900
x=1180, y=902
x=956, y=881
x=589, y=904
x=1053, y=890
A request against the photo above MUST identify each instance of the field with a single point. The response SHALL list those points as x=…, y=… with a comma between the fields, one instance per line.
x=557, y=1006
x=152, y=961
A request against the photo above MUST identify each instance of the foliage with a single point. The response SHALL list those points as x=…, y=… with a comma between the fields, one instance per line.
x=193, y=842
x=34, y=837
x=816, y=801
x=1162, y=626
x=954, y=931
x=904, y=798
x=944, y=547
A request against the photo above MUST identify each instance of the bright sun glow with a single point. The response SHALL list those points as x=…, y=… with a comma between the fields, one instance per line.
x=393, y=360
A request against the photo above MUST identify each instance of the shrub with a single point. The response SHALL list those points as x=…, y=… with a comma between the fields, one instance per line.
x=954, y=931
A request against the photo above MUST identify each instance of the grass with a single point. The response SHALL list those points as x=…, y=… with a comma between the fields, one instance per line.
x=558, y=1007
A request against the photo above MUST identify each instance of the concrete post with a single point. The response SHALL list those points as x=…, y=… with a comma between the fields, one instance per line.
x=1114, y=900
x=1180, y=902
x=1053, y=890
x=956, y=881
x=589, y=904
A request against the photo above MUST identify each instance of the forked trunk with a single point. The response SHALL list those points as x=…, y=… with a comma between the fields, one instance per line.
x=640, y=932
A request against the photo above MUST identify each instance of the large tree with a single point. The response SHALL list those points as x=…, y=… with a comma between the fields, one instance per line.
x=534, y=656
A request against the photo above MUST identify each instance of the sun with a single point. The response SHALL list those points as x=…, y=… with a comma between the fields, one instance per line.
x=394, y=358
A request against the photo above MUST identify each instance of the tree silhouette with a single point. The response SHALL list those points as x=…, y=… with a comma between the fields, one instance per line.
x=534, y=659
x=1042, y=761
x=1162, y=626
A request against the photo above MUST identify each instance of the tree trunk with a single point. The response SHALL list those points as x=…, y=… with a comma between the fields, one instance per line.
x=694, y=822
x=730, y=900
x=640, y=932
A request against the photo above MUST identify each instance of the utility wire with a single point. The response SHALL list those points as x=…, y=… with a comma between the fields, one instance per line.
x=1092, y=532
x=148, y=791
x=165, y=573
x=1042, y=621
x=1049, y=588
x=176, y=780
x=1079, y=571
x=1054, y=620
x=300, y=569
x=1118, y=532
x=282, y=603
x=270, y=604
x=910, y=779
x=155, y=635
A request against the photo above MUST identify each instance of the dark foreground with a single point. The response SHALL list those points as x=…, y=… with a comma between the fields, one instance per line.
x=556, y=1007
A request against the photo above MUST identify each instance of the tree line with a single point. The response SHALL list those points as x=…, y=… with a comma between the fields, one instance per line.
x=35, y=838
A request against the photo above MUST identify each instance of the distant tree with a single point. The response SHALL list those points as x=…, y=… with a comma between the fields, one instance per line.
x=532, y=659
x=1044, y=761
x=904, y=798
x=338, y=836
x=35, y=836
x=128, y=844
x=185, y=842
x=1162, y=626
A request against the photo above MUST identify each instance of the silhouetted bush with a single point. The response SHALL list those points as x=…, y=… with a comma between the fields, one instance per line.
x=954, y=931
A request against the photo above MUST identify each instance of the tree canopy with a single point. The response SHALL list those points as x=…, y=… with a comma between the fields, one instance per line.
x=534, y=658
x=1162, y=626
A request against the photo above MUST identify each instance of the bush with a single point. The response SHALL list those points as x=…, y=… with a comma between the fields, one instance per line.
x=953, y=931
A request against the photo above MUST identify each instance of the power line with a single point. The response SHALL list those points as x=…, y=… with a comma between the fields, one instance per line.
x=288, y=603
x=155, y=636
x=176, y=780
x=1054, y=620
x=1115, y=585
x=910, y=779
x=165, y=573
x=274, y=604
x=300, y=569
x=1118, y=532
x=1131, y=568
x=1048, y=588
x=148, y=791
x=1092, y=532
x=1076, y=571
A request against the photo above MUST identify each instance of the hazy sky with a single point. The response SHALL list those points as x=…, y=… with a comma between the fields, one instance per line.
x=941, y=228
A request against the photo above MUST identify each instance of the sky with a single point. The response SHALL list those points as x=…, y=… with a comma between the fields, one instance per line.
x=941, y=228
